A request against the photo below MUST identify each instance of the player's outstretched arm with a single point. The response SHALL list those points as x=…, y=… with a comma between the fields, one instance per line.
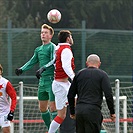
x=18, y=71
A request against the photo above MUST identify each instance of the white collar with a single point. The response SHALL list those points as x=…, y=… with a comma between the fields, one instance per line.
x=64, y=44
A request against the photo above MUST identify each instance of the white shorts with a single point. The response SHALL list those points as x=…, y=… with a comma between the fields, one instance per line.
x=4, y=122
x=60, y=90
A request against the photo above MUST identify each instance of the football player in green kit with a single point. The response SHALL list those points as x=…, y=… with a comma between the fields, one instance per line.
x=45, y=56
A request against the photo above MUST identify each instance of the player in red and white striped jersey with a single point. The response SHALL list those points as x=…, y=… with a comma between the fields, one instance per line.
x=6, y=110
x=64, y=67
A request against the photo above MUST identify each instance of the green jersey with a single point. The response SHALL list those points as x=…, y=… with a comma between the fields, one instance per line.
x=45, y=56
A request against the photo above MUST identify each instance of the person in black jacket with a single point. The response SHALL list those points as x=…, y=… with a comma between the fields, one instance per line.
x=89, y=85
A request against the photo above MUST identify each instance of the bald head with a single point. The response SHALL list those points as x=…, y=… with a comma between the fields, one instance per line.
x=93, y=60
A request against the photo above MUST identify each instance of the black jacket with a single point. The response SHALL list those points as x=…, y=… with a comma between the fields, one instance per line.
x=89, y=85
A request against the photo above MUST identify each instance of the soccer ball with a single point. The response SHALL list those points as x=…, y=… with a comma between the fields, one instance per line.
x=54, y=16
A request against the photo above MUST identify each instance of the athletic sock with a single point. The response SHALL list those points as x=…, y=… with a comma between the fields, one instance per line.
x=55, y=124
x=53, y=114
x=46, y=118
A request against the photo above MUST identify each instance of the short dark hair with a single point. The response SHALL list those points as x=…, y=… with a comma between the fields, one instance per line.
x=63, y=34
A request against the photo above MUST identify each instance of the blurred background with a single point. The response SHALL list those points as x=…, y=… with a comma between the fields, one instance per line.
x=103, y=27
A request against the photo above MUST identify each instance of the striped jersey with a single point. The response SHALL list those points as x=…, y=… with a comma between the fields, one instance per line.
x=6, y=91
x=64, y=65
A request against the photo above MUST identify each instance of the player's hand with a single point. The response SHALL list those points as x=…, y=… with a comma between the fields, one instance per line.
x=10, y=116
x=39, y=72
x=18, y=71
x=113, y=117
x=73, y=116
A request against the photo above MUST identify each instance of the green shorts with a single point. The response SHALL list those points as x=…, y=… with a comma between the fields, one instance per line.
x=45, y=90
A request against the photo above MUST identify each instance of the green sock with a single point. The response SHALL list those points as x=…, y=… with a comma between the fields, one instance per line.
x=46, y=118
x=53, y=114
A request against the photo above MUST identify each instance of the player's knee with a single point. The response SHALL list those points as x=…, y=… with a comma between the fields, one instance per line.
x=52, y=108
x=43, y=109
x=6, y=130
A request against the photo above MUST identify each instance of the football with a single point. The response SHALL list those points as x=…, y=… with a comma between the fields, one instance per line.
x=54, y=16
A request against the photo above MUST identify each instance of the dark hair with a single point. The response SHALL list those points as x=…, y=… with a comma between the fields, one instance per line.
x=63, y=34
x=1, y=68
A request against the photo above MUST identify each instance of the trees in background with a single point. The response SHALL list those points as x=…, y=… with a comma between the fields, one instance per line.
x=98, y=14
x=115, y=48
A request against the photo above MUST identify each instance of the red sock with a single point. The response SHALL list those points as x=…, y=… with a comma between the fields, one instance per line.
x=58, y=119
